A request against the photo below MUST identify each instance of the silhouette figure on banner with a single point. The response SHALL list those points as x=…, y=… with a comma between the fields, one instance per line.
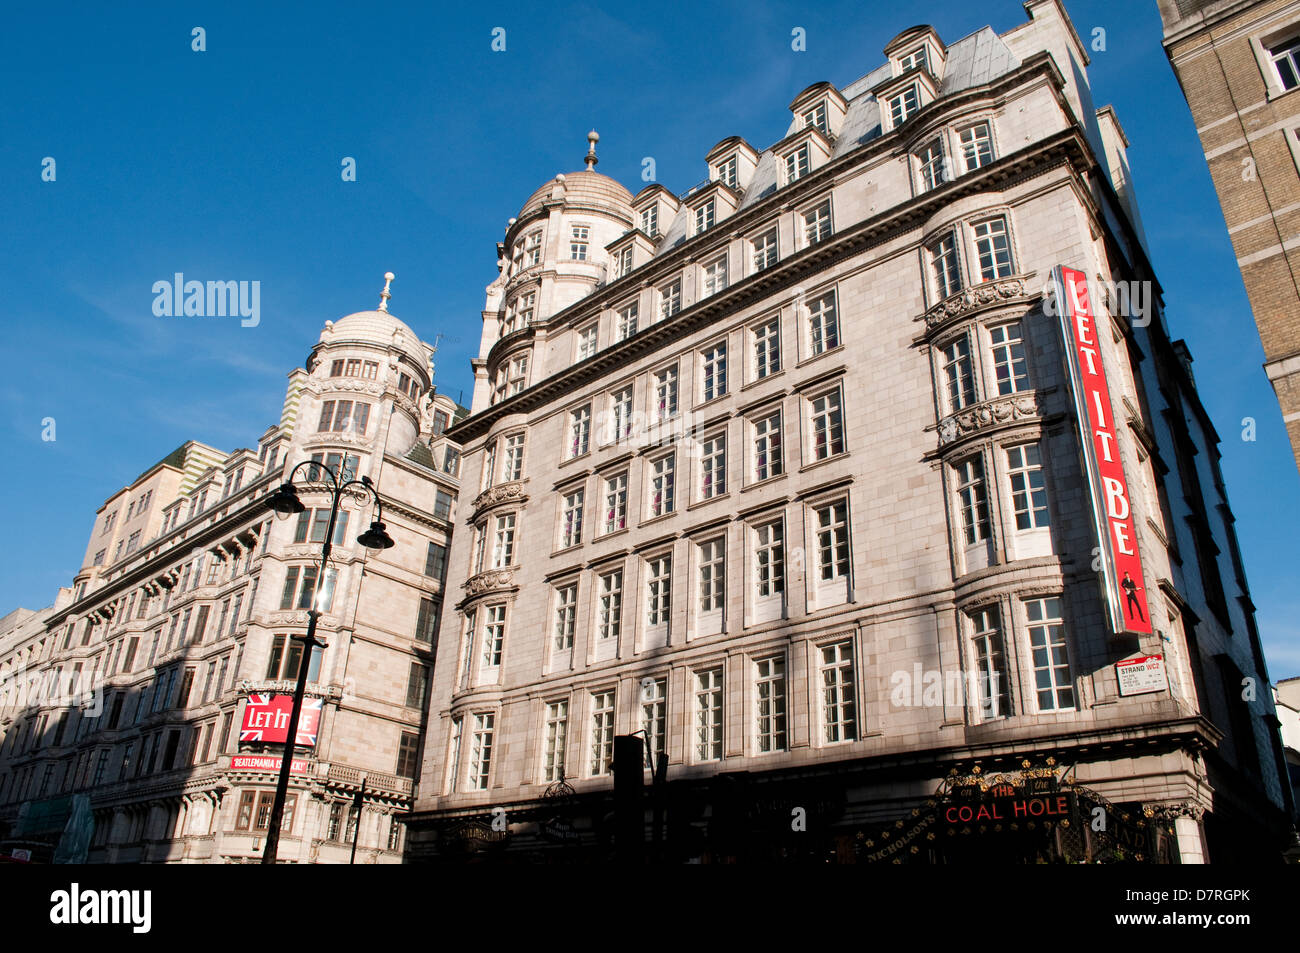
x=1131, y=589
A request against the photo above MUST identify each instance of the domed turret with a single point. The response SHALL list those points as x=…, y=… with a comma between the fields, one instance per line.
x=368, y=355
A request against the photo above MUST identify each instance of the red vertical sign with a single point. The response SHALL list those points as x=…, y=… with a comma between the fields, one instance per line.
x=1121, y=563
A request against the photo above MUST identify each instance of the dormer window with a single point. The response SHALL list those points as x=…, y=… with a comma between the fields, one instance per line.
x=914, y=60
x=705, y=216
x=623, y=262
x=796, y=164
x=726, y=171
x=816, y=117
x=903, y=106
x=578, y=243
x=650, y=221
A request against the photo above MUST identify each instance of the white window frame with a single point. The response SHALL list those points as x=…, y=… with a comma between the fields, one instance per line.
x=659, y=590
x=918, y=57
x=654, y=718
x=556, y=721
x=623, y=262
x=713, y=465
x=932, y=164
x=771, y=694
x=603, y=708
x=579, y=442
x=726, y=171
x=991, y=242
x=579, y=241
x=662, y=493
x=713, y=575
x=903, y=105
x=826, y=424
x=834, y=542
x=961, y=388
x=710, y=723
x=972, y=490
x=566, y=616
x=628, y=316
x=713, y=371
x=817, y=227
x=513, y=464
x=797, y=163
x=823, y=323
x=670, y=299
x=816, y=118
x=715, y=276
x=839, y=692
x=768, y=446
x=767, y=347
x=944, y=256
x=705, y=216
x=571, y=513
x=503, y=540
x=620, y=413
x=1009, y=357
x=976, y=150
x=769, y=582
x=648, y=221
x=666, y=397
x=615, y=503
x=480, y=771
x=988, y=662
x=588, y=341
x=1045, y=632
x=765, y=249
x=494, y=638
x=610, y=622
x=1028, y=481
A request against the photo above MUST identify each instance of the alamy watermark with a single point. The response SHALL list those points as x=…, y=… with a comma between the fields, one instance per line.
x=53, y=688
x=1136, y=299
x=636, y=430
x=78, y=905
x=922, y=688
x=212, y=299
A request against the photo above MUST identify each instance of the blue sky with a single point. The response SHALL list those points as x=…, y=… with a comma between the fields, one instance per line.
x=225, y=165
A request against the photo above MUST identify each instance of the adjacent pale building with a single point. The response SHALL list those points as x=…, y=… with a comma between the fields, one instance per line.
x=147, y=697
x=784, y=473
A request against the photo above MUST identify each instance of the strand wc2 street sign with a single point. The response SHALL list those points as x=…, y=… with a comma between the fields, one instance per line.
x=1124, y=587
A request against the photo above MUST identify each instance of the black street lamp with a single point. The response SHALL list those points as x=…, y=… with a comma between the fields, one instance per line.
x=285, y=501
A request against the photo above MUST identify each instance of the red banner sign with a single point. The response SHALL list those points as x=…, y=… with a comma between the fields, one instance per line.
x=1121, y=569
x=262, y=762
x=266, y=719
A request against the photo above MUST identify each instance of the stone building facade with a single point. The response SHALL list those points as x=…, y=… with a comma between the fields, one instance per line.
x=750, y=469
x=1238, y=62
x=125, y=702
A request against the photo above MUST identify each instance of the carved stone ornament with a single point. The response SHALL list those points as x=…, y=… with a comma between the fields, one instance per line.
x=1001, y=410
x=487, y=581
x=501, y=493
x=973, y=298
x=351, y=385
